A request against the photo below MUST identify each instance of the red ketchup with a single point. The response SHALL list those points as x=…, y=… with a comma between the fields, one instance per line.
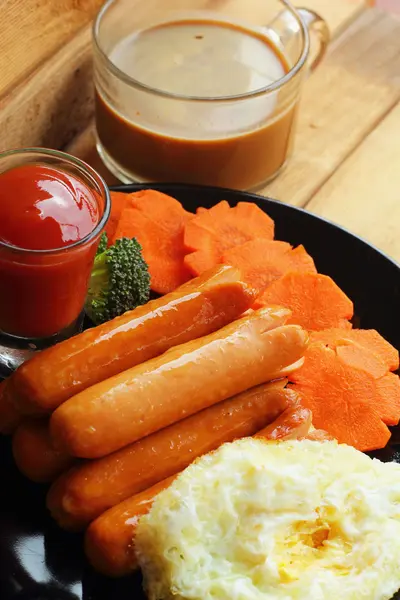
x=44, y=209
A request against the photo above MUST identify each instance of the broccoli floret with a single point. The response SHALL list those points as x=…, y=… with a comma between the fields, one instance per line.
x=119, y=281
x=102, y=247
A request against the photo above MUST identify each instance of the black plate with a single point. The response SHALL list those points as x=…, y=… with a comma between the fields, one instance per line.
x=40, y=562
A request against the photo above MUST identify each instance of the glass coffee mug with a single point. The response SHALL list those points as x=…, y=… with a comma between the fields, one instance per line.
x=189, y=92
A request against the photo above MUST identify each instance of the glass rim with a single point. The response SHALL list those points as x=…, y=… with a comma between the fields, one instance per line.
x=90, y=172
x=275, y=85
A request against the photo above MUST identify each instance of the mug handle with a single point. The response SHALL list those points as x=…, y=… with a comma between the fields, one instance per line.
x=316, y=24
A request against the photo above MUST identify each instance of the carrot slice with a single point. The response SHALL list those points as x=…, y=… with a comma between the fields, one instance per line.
x=368, y=338
x=159, y=207
x=345, y=324
x=157, y=221
x=301, y=261
x=379, y=346
x=361, y=358
x=389, y=398
x=263, y=261
x=118, y=202
x=315, y=300
x=343, y=399
x=388, y=384
x=259, y=261
x=211, y=232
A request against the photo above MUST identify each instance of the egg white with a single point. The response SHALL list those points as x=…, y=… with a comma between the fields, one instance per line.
x=295, y=520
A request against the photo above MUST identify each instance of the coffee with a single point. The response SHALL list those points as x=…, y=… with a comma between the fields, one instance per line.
x=236, y=143
x=200, y=58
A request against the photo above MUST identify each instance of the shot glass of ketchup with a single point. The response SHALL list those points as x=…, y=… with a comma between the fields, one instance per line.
x=198, y=91
x=53, y=209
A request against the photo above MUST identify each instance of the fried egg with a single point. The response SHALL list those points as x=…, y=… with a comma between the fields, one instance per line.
x=294, y=520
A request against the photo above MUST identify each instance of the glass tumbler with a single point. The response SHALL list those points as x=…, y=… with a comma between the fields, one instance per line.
x=43, y=291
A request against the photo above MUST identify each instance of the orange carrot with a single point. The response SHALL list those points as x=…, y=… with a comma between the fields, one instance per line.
x=344, y=401
x=212, y=232
x=118, y=202
x=263, y=261
x=301, y=261
x=157, y=221
x=159, y=207
x=388, y=384
x=345, y=324
x=367, y=338
x=315, y=300
x=388, y=406
x=361, y=358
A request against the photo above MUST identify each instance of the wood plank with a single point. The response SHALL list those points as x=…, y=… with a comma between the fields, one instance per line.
x=342, y=102
x=55, y=103
x=390, y=5
x=363, y=195
x=338, y=16
x=32, y=30
x=338, y=13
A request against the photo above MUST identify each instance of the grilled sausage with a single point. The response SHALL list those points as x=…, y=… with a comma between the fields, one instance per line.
x=181, y=382
x=83, y=493
x=197, y=308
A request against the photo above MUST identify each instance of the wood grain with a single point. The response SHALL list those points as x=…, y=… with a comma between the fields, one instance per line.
x=363, y=194
x=356, y=86
x=338, y=15
x=33, y=30
x=54, y=103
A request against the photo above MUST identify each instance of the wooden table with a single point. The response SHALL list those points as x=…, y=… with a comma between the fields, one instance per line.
x=346, y=164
